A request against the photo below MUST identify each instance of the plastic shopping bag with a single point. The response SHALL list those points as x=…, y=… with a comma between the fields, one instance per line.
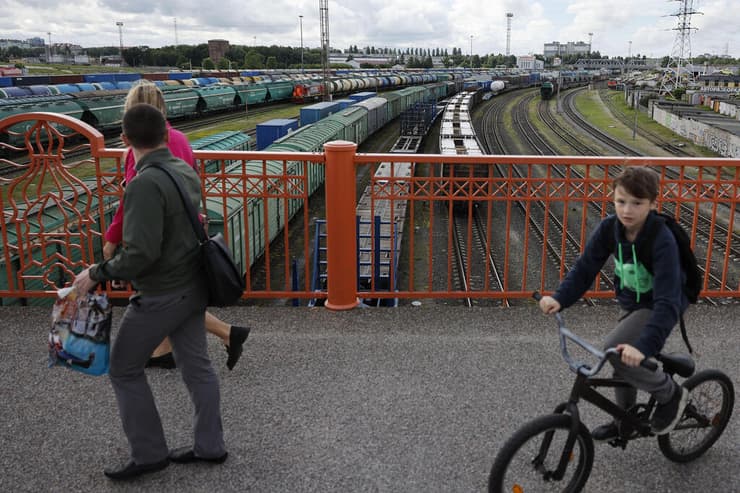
x=80, y=332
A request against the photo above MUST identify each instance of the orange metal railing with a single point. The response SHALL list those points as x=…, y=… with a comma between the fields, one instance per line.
x=536, y=214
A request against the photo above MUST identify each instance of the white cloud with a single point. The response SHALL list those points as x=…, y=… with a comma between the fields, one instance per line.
x=402, y=23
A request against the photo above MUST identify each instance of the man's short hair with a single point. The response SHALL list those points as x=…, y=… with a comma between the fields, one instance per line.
x=144, y=126
x=639, y=181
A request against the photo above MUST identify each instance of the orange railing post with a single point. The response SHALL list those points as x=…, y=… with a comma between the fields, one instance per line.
x=341, y=229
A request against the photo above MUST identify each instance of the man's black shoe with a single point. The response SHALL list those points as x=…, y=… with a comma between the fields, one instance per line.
x=186, y=455
x=237, y=336
x=667, y=416
x=166, y=361
x=605, y=432
x=133, y=470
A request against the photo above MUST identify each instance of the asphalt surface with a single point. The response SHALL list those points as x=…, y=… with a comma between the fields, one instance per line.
x=413, y=399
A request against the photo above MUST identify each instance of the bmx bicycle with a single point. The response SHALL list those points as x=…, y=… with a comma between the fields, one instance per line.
x=555, y=452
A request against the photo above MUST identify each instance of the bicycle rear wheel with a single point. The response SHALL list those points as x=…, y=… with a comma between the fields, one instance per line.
x=521, y=465
x=711, y=399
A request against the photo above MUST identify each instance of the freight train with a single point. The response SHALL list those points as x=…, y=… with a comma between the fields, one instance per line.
x=354, y=123
x=100, y=104
x=248, y=241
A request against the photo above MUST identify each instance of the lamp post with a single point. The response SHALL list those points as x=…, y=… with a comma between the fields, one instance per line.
x=471, y=52
x=48, y=58
x=300, y=19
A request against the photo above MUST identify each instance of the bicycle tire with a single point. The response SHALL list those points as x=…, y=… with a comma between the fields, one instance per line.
x=712, y=397
x=559, y=424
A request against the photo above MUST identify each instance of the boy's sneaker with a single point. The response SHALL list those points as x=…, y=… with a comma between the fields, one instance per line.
x=667, y=416
x=605, y=432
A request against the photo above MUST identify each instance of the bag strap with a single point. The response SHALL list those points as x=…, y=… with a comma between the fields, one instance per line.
x=192, y=214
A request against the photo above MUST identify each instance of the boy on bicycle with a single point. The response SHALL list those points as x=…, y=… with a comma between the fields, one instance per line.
x=650, y=304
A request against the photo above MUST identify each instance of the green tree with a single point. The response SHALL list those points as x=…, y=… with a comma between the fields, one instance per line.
x=271, y=62
x=208, y=64
x=253, y=60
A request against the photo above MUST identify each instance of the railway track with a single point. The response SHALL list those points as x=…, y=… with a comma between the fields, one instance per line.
x=629, y=122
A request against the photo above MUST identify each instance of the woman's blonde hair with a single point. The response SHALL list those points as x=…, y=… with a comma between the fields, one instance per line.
x=145, y=91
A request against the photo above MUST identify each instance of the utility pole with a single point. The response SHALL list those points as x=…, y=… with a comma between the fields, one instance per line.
x=590, y=39
x=300, y=18
x=324, y=18
x=120, y=41
x=176, y=41
x=48, y=50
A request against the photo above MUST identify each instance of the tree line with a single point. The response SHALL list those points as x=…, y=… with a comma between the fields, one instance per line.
x=286, y=57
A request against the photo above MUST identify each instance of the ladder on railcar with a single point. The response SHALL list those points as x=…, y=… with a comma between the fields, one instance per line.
x=372, y=270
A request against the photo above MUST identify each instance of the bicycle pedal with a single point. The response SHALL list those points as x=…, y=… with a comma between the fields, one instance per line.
x=618, y=442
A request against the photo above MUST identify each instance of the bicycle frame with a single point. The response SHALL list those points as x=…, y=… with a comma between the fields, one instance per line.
x=584, y=388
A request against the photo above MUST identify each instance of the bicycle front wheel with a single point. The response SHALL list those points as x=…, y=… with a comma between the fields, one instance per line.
x=711, y=399
x=528, y=460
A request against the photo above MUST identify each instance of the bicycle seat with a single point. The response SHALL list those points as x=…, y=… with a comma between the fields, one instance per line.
x=677, y=363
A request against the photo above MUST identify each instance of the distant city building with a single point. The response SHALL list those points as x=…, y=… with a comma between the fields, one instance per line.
x=21, y=43
x=217, y=49
x=559, y=49
x=529, y=62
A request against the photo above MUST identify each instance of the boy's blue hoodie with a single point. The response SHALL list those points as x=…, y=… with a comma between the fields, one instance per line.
x=635, y=287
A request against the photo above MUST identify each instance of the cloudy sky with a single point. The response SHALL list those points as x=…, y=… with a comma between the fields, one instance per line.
x=648, y=24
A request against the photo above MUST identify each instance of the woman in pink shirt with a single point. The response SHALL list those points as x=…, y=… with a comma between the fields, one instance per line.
x=233, y=336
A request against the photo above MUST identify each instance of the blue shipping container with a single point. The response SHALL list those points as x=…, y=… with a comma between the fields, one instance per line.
x=6, y=82
x=31, y=80
x=361, y=96
x=343, y=103
x=315, y=112
x=269, y=131
x=99, y=78
x=180, y=75
x=127, y=77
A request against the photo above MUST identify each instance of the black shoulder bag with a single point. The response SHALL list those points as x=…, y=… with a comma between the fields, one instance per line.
x=225, y=283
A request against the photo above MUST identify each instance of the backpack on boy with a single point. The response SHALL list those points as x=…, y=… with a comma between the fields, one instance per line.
x=689, y=265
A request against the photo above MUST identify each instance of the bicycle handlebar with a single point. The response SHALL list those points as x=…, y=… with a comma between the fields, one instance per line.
x=602, y=356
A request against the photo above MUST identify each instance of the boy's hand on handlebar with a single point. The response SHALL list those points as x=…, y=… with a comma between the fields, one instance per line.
x=631, y=356
x=549, y=305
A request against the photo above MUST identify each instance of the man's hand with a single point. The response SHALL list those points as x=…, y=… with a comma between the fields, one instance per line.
x=109, y=249
x=549, y=305
x=83, y=283
x=631, y=356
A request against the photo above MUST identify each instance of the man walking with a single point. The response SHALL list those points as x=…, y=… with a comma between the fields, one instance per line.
x=161, y=257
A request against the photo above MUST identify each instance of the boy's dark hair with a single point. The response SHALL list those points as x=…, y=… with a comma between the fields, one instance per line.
x=144, y=126
x=640, y=181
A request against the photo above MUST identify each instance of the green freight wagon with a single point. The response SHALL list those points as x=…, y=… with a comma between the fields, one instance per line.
x=230, y=140
x=250, y=93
